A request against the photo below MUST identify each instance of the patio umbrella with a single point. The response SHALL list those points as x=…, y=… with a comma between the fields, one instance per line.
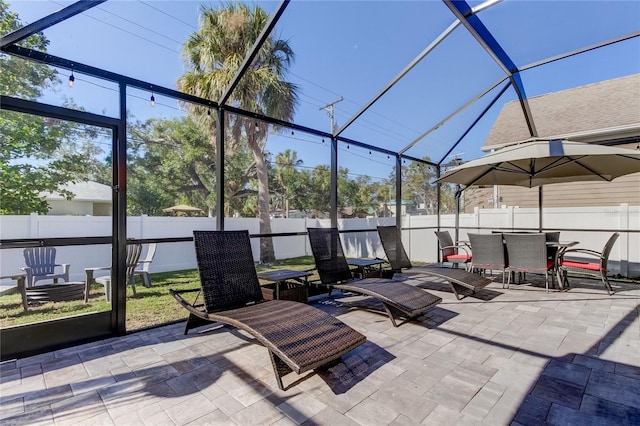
x=182, y=208
x=540, y=163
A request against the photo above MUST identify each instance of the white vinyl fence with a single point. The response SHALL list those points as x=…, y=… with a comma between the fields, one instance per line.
x=421, y=244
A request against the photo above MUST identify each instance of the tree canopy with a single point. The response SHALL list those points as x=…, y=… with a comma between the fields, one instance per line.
x=37, y=154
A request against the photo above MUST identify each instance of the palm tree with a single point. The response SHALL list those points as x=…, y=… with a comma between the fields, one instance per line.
x=213, y=55
x=286, y=163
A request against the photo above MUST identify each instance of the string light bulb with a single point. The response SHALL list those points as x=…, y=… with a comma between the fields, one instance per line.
x=322, y=141
x=209, y=111
x=153, y=99
x=256, y=128
x=71, y=79
x=293, y=135
x=347, y=147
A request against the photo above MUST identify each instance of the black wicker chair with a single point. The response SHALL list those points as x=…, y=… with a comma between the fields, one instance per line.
x=488, y=253
x=298, y=337
x=528, y=253
x=462, y=283
x=399, y=299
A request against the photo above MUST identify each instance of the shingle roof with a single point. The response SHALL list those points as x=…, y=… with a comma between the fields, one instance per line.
x=84, y=191
x=610, y=108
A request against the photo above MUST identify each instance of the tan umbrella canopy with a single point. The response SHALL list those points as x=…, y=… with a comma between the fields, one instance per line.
x=182, y=208
x=542, y=162
x=539, y=163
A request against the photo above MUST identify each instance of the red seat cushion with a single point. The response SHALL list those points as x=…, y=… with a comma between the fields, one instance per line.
x=582, y=265
x=462, y=257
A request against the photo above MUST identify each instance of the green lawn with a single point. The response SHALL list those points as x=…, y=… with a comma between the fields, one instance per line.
x=151, y=306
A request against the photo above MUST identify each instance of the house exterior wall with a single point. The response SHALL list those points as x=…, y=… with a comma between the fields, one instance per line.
x=101, y=209
x=71, y=207
x=78, y=208
x=625, y=189
x=89, y=199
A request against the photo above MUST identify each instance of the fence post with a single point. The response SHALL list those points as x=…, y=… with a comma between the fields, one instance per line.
x=476, y=215
x=511, y=211
x=306, y=250
x=407, y=224
x=34, y=225
x=624, y=239
x=143, y=225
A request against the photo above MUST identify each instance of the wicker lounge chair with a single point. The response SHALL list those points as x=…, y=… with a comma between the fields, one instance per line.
x=451, y=253
x=298, y=337
x=462, y=283
x=594, y=266
x=399, y=299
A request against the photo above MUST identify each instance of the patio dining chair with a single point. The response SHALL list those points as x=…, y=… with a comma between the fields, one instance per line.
x=298, y=337
x=528, y=253
x=488, y=253
x=552, y=250
x=452, y=253
x=594, y=265
x=41, y=265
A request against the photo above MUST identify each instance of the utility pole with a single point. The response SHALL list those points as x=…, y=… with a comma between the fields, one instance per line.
x=330, y=107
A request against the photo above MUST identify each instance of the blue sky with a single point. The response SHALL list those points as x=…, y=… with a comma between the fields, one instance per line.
x=352, y=50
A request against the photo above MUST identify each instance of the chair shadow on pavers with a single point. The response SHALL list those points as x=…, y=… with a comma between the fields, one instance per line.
x=584, y=388
x=246, y=360
x=176, y=366
x=347, y=301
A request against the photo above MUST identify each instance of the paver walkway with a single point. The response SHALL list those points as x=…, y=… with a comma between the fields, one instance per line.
x=516, y=356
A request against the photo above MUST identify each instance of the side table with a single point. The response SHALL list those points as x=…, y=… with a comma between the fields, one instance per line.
x=280, y=276
x=364, y=265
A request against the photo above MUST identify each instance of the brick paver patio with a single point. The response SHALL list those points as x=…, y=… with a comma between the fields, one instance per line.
x=516, y=356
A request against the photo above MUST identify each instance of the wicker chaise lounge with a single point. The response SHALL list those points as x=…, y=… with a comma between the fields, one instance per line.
x=399, y=299
x=298, y=337
x=462, y=283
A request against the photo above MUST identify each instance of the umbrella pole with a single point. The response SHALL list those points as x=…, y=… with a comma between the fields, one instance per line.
x=458, y=193
x=540, y=208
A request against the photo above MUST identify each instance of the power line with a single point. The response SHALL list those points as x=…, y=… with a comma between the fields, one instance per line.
x=359, y=122
x=123, y=30
x=169, y=15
